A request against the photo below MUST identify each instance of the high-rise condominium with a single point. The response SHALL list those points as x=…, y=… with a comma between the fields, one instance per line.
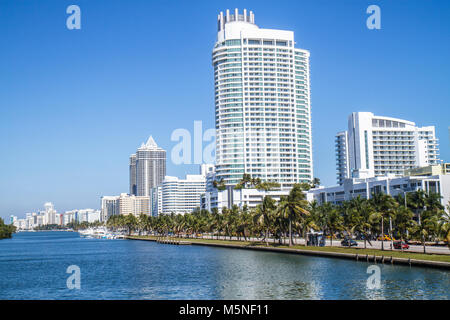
x=342, y=158
x=147, y=168
x=133, y=185
x=377, y=146
x=262, y=99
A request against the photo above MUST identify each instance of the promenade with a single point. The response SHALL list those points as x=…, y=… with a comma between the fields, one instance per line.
x=357, y=254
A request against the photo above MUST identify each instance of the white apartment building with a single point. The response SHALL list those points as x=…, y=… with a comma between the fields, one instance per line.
x=147, y=168
x=109, y=207
x=262, y=103
x=49, y=215
x=182, y=195
x=376, y=146
x=81, y=215
x=342, y=158
x=156, y=201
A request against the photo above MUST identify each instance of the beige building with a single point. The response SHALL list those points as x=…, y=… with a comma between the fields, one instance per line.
x=134, y=204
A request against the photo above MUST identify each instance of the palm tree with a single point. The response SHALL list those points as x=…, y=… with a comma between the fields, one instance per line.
x=178, y=224
x=264, y=215
x=362, y=211
x=142, y=222
x=130, y=222
x=403, y=221
x=293, y=207
x=444, y=225
x=417, y=200
x=315, y=183
x=382, y=205
x=427, y=227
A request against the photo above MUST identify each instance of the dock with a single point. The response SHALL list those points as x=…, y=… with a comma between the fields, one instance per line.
x=162, y=240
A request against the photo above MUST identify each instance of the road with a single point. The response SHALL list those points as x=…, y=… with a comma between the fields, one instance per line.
x=373, y=245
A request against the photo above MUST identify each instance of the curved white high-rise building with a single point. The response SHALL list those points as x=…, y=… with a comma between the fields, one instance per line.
x=262, y=100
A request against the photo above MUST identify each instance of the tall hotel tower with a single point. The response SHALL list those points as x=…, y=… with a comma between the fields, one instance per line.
x=262, y=100
x=147, y=168
x=377, y=146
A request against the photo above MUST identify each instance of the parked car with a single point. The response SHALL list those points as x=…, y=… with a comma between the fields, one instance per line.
x=400, y=245
x=349, y=243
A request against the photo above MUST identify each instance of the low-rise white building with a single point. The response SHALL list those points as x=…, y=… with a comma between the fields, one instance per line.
x=240, y=197
x=427, y=179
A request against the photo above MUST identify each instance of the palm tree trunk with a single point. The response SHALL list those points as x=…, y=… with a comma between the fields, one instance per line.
x=382, y=233
x=267, y=236
x=290, y=232
x=423, y=242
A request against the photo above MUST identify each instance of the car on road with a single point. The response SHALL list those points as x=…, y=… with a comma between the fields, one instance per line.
x=400, y=245
x=349, y=243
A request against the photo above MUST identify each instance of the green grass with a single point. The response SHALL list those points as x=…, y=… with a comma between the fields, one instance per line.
x=362, y=251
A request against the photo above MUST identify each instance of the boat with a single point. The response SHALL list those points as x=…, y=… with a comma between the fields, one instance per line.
x=100, y=233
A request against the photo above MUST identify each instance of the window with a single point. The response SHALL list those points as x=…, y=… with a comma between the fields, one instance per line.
x=233, y=42
x=252, y=41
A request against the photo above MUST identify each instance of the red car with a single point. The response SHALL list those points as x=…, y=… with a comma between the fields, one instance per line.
x=400, y=245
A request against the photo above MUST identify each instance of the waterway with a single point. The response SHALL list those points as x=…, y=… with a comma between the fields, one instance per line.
x=33, y=265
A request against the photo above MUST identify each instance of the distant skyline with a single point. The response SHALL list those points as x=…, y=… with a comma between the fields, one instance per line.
x=75, y=104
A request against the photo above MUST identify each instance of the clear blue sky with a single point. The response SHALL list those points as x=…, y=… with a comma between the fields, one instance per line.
x=74, y=104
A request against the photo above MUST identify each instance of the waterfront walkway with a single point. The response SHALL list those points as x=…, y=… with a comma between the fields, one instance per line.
x=373, y=245
x=368, y=255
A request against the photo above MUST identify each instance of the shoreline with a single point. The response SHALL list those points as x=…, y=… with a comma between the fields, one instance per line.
x=383, y=259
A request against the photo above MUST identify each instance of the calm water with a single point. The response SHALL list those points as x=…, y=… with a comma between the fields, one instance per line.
x=33, y=266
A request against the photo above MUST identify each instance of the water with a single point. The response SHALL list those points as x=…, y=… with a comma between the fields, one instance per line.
x=33, y=266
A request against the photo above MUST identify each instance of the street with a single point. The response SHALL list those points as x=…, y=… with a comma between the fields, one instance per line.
x=337, y=243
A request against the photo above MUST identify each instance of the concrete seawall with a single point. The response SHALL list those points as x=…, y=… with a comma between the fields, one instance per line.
x=352, y=256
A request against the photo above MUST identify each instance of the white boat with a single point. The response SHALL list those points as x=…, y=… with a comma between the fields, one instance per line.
x=100, y=233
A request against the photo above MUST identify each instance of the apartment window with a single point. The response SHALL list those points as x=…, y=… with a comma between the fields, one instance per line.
x=252, y=41
x=233, y=42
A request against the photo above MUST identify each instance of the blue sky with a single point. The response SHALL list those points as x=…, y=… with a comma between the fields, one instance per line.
x=74, y=104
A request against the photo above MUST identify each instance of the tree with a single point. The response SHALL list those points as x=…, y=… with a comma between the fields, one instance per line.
x=294, y=206
x=427, y=227
x=219, y=185
x=382, y=205
x=444, y=225
x=315, y=183
x=403, y=221
x=361, y=212
x=6, y=230
x=264, y=215
x=142, y=222
x=130, y=222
